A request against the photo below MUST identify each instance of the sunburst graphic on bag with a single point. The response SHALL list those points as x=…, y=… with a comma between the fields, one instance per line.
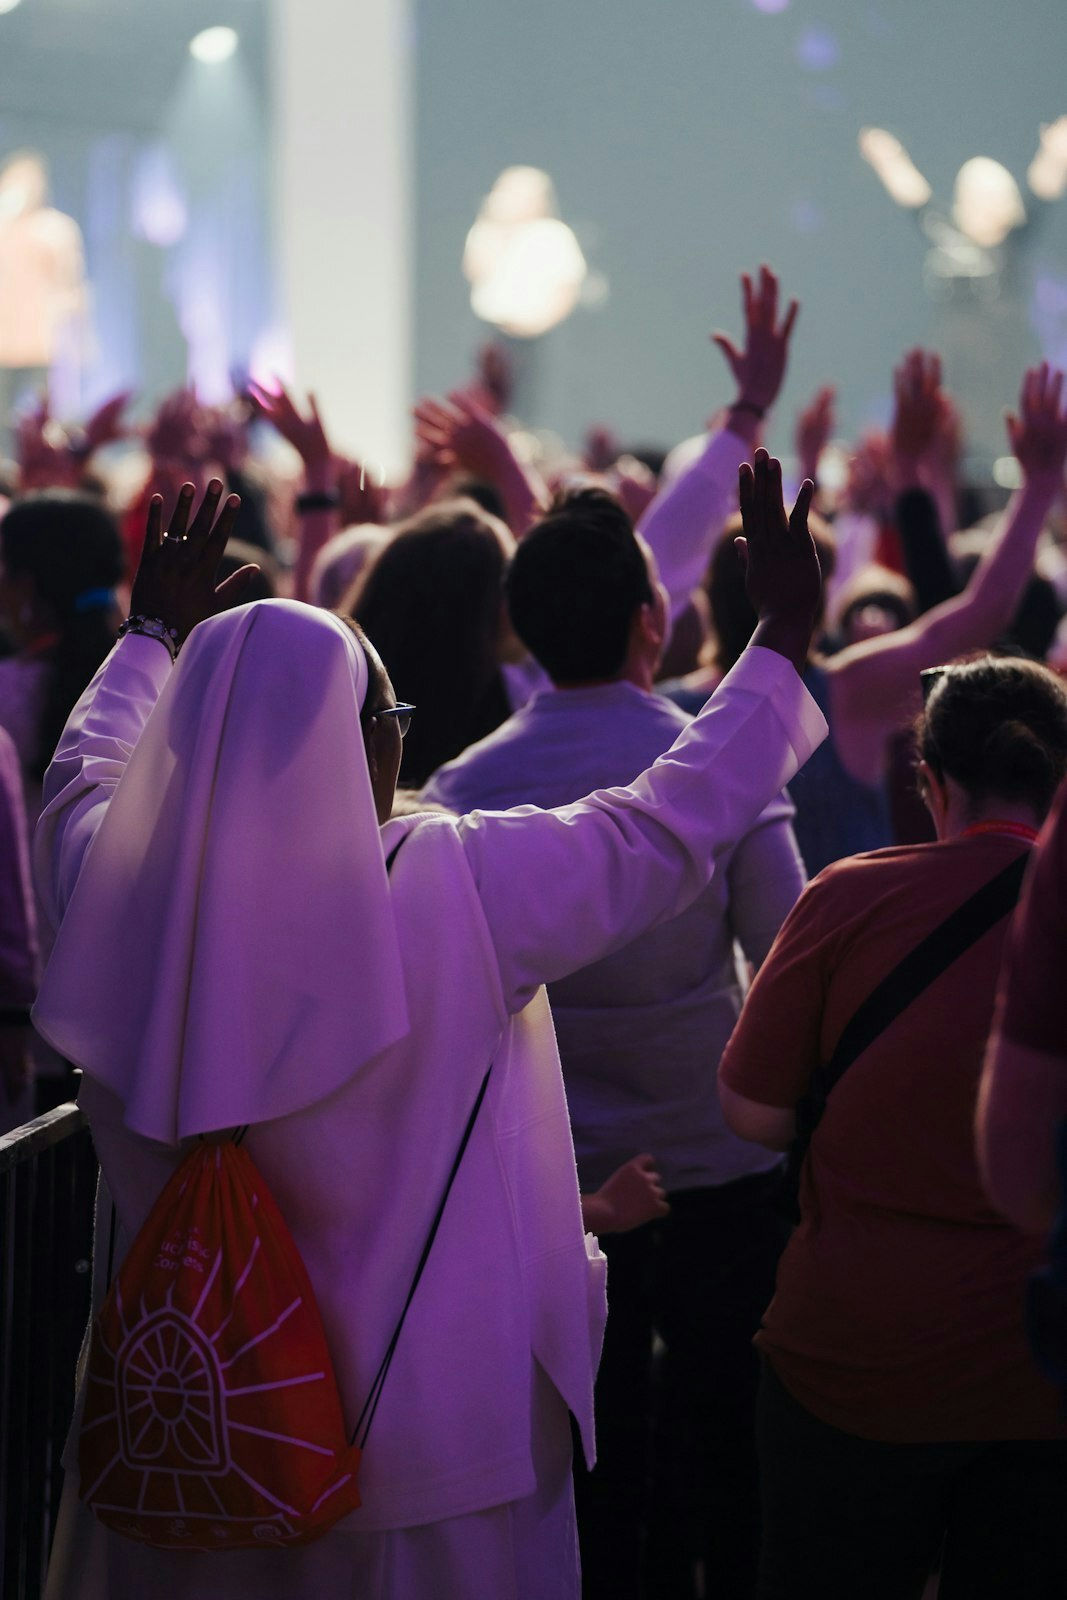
x=212, y=1418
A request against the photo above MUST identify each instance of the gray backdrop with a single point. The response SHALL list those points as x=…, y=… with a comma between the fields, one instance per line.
x=692, y=137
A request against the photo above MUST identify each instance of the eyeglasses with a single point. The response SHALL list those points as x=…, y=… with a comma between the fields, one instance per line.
x=403, y=714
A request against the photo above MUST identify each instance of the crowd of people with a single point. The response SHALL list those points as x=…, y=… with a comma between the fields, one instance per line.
x=502, y=786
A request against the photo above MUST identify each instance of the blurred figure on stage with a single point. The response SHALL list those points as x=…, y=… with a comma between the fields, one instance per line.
x=42, y=281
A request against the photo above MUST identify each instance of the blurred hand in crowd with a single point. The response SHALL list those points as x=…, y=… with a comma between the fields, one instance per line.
x=494, y=379
x=1038, y=431
x=225, y=438
x=632, y=1196
x=42, y=448
x=814, y=429
x=601, y=447
x=175, y=434
x=362, y=499
x=921, y=412
x=635, y=484
x=107, y=424
x=303, y=430
x=869, y=487
x=759, y=365
x=459, y=433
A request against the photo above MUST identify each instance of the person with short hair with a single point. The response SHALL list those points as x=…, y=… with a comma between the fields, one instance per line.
x=640, y=1034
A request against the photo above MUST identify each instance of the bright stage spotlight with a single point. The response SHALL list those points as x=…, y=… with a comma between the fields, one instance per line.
x=212, y=46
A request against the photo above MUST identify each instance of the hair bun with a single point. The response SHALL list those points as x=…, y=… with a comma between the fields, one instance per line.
x=1014, y=750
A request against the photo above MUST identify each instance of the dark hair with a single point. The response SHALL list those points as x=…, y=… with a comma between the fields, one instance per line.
x=70, y=548
x=997, y=726
x=574, y=584
x=465, y=486
x=732, y=616
x=432, y=602
x=875, y=585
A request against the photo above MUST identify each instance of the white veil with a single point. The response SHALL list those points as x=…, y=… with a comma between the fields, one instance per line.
x=229, y=954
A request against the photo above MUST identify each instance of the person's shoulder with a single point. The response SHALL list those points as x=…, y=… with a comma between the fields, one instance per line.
x=873, y=872
x=458, y=782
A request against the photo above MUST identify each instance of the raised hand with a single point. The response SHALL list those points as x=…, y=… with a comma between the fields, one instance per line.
x=362, y=499
x=782, y=576
x=635, y=484
x=899, y=174
x=305, y=433
x=814, y=428
x=107, y=423
x=600, y=448
x=43, y=451
x=175, y=432
x=919, y=407
x=175, y=579
x=1038, y=432
x=759, y=366
x=458, y=432
x=495, y=379
x=869, y=489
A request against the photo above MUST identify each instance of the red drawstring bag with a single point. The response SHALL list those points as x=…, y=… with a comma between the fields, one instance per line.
x=212, y=1418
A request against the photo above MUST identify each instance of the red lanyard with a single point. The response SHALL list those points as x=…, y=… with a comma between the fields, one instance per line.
x=1015, y=830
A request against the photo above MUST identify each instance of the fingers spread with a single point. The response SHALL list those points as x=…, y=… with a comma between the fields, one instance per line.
x=205, y=516
x=798, y=521
x=180, y=518
x=153, y=537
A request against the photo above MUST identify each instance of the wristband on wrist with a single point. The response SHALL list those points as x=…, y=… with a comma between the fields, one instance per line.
x=749, y=405
x=152, y=628
x=317, y=500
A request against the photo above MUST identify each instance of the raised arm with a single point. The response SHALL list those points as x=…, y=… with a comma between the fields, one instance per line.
x=924, y=420
x=876, y=683
x=174, y=587
x=685, y=519
x=317, y=507
x=563, y=888
x=459, y=432
x=899, y=175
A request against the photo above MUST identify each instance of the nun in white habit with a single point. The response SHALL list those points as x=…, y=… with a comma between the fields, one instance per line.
x=230, y=950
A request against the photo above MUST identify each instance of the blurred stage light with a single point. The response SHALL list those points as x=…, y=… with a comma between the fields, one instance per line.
x=8, y=5
x=1007, y=472
x=213, y=45
x=771, y=6
x=525, y=267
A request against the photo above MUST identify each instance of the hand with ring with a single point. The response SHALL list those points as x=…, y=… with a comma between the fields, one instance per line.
x=175, y=580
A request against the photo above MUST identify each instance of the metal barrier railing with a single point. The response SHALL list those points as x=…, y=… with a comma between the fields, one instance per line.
x=47, y=1184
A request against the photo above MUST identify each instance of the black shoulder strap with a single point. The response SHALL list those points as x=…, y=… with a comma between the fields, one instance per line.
x=370, y=1405
x=395, y=851
x=923, y=965
x=896, y=992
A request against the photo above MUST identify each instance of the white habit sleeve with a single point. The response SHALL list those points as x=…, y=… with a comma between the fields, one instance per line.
x=90, y=759
x=563, y=888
